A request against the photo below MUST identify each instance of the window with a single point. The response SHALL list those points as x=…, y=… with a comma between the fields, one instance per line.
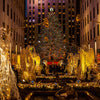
x=39, y=1
x=33, y=12
x=90, y=16
x=93, y=12
x=29, y=13
x=98, y=30
x=14, y=16
x=83, y=8
x=69, y=30
x=59, y=10
x=53, y=3
x=83, y=23
x=39, y=29
x=38, y=10
x=43, y=15
x=29, y=7
x=91, y=34
x=72, y=1
x=7, y=28
x=29, y=1
x=63, y=15
x=11, y=32
x=68, y=1
x=33, y=1
x=14, y=34
x=90, y=1
x=43, y=10
x=63, y=21
x=39, y=20
x=94, y=31
x=87, y=3
x=7, y=9
x=60, y=21
x=72, y=12
x=88, y=35
x=3, y=25
x=73, y=30
x=87, y=19
x=97, y=8
x=59, y=15
x=3, y=5
x=63, y=10
x=69, y=12
x=11, y=13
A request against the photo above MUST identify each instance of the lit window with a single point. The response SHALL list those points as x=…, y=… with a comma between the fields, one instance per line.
x=33, y=20
x=43, y=1
x=63, y=1
x=30, y=20
x=39, y=1
x=59, y=1
x=25, y=38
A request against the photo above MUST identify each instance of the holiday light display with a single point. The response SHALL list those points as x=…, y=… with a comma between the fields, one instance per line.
x=86, y=63
x=72, y=65
x=83, y=63
x=51, y=45
x=8, y=82
x=28, y=64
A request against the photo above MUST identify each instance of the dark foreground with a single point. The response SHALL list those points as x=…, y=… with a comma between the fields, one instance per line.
x=50, y=95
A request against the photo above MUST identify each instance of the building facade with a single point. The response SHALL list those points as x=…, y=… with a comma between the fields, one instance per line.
x=12, y=19
x=37, y=10
x=90, y=24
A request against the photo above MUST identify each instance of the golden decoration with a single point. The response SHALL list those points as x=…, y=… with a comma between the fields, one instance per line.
x=64, y=40
x=46, y=38
x=46, y=22
x=78, y=18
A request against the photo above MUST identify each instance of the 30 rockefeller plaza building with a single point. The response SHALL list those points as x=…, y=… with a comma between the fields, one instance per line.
x=65, y=11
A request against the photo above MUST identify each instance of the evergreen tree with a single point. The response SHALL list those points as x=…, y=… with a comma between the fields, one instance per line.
x=51, y=44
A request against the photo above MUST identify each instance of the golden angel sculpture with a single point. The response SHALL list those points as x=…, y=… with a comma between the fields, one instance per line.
x=30, y=64
x=8, y=82
x=72, y=63
x=87, y=60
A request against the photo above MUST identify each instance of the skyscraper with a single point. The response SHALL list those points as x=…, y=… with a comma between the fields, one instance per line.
x=12, y=18
x=37, y=10
x=90, y=28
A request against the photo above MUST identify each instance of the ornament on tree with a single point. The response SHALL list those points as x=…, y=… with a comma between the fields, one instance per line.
x=46, y=38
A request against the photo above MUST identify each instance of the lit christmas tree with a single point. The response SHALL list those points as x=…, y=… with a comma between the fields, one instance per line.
x=51, y=45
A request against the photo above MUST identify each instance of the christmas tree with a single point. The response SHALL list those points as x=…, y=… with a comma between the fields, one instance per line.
x=51, y=44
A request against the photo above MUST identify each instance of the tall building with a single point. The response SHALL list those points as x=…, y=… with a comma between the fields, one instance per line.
x=37, y=10
x=90, y=24
x=12, y=18
x=78, y=22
